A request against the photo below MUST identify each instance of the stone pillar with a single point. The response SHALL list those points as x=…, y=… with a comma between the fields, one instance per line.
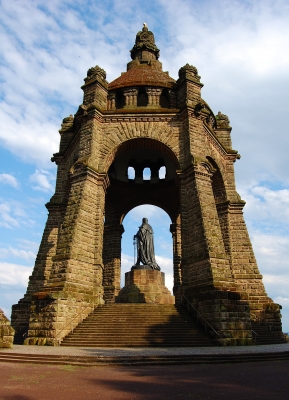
x=111, y=261
x=175, y=229
x=42, y=269
x=74, y=287
x=202, y=243
x=207, y=277
x=111, y=105
x=154, y=97
x=246, y=272
x=130, y=95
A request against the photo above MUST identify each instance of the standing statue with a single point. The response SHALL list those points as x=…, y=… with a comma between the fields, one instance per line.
x=145, y=245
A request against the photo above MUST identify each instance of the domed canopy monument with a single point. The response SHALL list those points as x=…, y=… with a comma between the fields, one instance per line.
x=145, y=119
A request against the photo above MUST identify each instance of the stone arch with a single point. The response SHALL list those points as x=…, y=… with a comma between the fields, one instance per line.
x=123, y=195
x=218, y=183
x=165, y=99
x=122, y=136
x=220, y=196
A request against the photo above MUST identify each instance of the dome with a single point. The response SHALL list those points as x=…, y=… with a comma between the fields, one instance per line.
x=144, y=69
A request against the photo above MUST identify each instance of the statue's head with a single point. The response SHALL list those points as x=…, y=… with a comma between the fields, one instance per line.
x=144, y=220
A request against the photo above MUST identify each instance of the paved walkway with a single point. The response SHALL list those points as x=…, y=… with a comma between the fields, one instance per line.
x=244, y=381
x=145, y=351
x=249, y=381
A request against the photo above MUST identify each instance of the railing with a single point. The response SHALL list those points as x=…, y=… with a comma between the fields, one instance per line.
x=200, y=316
x=256, y=334
x=71, y=325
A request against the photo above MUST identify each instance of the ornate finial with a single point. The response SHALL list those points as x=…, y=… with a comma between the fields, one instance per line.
x=67, y=123
x=145, y=41
x=95, y=72
x=222, y=120
x=190, y=69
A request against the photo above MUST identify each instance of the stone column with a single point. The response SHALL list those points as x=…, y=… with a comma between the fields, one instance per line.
x=175, y=229
x=111, y=261
x=42, y=269
x=154, y=97
x=74, y=287
x=130, y=95
x=111, y=101
x=207, y=278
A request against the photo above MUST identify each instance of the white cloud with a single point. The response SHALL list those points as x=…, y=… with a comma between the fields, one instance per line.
x=9, y=180
x=12, y=215
x=264, y=204
x=6, y=252
x=14, y=274
x=154, y=214
x=42, y=180
x=6, y=219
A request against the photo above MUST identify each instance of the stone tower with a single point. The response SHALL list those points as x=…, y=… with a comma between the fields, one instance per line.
x=144, y=119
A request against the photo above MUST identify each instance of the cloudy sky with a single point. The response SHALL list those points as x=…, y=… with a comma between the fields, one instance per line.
x=241, y=51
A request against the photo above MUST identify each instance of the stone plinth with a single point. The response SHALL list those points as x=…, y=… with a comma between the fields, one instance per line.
x=145, y=286
x=6, y=332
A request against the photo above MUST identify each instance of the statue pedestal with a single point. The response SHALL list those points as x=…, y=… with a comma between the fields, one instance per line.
x=145, y=285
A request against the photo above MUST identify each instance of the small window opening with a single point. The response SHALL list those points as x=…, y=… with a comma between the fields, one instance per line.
x=142, y=98
x=162, y=173
x=119, y=100
x=131, y=173
x=146, y=174
x=165, y=99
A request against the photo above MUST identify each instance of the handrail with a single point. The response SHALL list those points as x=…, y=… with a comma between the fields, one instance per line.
x=198, y=313
x=70, y=323
x=255, y=333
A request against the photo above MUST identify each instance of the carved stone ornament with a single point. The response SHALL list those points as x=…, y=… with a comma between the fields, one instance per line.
x=189, y=69
x=222, y=120
x=145, y=40
x=67, y=123
x=211, y=121
x=95, y=72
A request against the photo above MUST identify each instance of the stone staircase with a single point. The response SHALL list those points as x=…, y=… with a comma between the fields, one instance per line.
x=138, y=325
x=265, y=336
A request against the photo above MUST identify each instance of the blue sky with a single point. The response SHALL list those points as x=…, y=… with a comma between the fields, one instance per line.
x=241, y=51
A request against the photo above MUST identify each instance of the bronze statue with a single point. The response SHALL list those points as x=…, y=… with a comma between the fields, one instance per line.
x=145, y=245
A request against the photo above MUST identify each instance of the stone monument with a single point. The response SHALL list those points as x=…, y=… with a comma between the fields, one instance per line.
x=145, y=283
x=145, y=119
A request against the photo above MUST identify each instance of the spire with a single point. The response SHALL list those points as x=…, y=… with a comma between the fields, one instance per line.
x=145, y=48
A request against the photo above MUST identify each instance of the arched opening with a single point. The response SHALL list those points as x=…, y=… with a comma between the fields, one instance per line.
x=147, y=174
x=220, y=196
x=124, y=194
x=142, y=98
x=131, y=173
x=162, y=172
x=217, y=183
x=119, y=99
x=160, y=222
x=165, y=99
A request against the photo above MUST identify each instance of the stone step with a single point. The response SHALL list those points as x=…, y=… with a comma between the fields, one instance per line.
x=137, y=325
x=265, y=336
x=142, y=360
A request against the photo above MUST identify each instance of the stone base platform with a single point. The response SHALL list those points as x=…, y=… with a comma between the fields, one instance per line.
x=145, y=285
